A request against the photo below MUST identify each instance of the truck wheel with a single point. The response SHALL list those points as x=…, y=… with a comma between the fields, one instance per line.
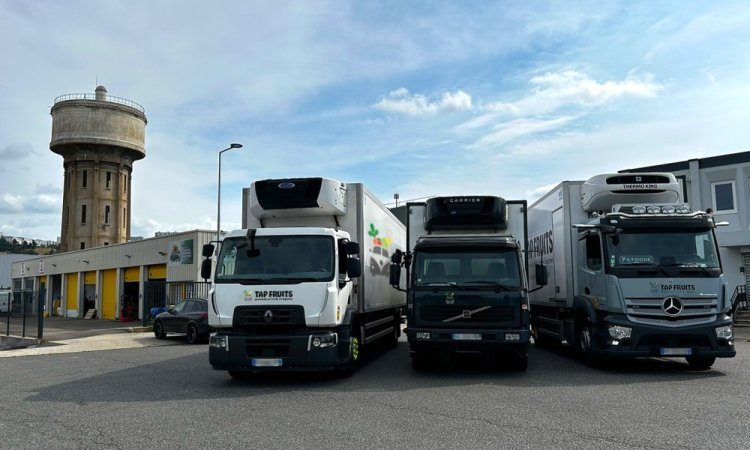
x=348, y=369
x=419, y=361
x=584, y=335
x=521, y=363
x=700, y=362
x=240, y=375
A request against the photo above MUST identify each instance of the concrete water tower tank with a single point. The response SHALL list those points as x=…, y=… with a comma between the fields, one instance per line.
x=99, y=137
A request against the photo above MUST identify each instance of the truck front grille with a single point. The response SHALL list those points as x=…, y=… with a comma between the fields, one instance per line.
x=695, y=311
x=464, y=315
x=268, y=316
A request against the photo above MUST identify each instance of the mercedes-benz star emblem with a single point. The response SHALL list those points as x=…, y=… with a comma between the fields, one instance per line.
x=672, y=306
x=268, y=316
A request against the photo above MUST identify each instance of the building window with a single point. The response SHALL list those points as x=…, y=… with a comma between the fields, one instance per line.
x=125, y=183
x=124, y=218
x=723, y=196
x=83, y=214
x=682, y=179
x=106, y=243
x=83, y=245
x=85, y=178
x=109, y=180
x=106, y=214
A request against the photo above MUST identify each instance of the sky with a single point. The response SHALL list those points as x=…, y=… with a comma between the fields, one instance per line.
x=416, y=98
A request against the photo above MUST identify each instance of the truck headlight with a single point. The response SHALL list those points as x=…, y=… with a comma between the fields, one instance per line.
x=619, y=332
x=322, y=340
x=423, y=334
x=724, y=332
x=219, y=341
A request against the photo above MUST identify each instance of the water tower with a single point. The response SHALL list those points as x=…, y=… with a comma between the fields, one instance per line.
x=99, y=136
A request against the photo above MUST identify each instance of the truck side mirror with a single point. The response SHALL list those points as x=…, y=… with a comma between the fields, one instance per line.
x=208, y=250
x=352, y=248
x=397, y=257
x=395, y=275
x=206, y=269
x=542, y=277
x=353, y=267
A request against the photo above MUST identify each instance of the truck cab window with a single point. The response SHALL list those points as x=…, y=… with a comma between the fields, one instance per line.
x=593, y=252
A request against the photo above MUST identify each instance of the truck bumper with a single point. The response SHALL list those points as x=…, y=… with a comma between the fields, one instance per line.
x=468, y=340
x=648, y=341
x=254, y=353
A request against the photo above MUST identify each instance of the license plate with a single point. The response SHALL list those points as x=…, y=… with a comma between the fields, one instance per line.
x=467, y=337
x=266, y=362
x=676, y=351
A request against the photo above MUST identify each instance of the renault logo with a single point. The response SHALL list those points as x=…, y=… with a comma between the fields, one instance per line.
x=672, y=306
x=268, y=316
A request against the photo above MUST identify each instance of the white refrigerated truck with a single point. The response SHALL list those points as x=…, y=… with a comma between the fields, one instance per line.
x=289, y=290
x=466, y=279
x=633, y=272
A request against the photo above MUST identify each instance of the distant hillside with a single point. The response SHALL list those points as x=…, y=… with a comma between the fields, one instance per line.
x=14, y=246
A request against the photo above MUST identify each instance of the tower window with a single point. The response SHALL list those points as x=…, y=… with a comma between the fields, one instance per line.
x=85, y=178
x=125, y=183
x=83, y=245
x=106, y=214
x=124, y=218
x=83, y=214
x=109, y=180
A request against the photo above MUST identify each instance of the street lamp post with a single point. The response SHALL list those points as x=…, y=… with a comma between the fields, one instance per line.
x=218, y=201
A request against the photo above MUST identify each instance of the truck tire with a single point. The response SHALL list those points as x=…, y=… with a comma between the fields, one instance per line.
x=240, y=374
x=700, y=362
x=520, y=363
x=348, y=369
x=584, y=333
x=419, y=361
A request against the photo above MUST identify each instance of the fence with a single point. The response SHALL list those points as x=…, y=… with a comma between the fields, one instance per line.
x=23, y=316
x=159, y=295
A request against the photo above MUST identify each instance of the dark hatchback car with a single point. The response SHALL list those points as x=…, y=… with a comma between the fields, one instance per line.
x=188, y=317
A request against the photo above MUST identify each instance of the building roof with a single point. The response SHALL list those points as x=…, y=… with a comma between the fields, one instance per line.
x=703, y=163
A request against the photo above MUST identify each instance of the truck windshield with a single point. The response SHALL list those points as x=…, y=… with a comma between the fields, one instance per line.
x=661, y=250
x=276, y=259
x=477, y=267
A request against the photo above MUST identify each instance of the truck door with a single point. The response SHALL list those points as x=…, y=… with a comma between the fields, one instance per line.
x=592, y=267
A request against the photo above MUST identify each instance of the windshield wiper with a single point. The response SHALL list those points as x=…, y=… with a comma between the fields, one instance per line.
x=691, y=265
x=495, y=284
x=437, y=283
x=654, y=265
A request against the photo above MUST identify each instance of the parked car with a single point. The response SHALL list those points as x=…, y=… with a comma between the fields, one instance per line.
x=188, y=317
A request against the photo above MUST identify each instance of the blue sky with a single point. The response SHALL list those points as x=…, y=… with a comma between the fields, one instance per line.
x=417, y=98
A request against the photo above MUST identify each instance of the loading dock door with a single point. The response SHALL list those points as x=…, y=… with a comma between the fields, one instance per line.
x=109, y=302
x=72, y=295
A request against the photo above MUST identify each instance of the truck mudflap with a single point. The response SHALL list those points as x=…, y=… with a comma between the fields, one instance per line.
x=318, y=350
x=651, y=341
x=468, y=340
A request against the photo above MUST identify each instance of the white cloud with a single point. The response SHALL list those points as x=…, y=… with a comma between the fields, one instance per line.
x=400, y=102
x=23, y=204
x=508, y=131
x=553, y=91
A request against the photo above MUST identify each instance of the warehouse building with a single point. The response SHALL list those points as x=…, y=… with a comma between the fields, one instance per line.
x=120, y=281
